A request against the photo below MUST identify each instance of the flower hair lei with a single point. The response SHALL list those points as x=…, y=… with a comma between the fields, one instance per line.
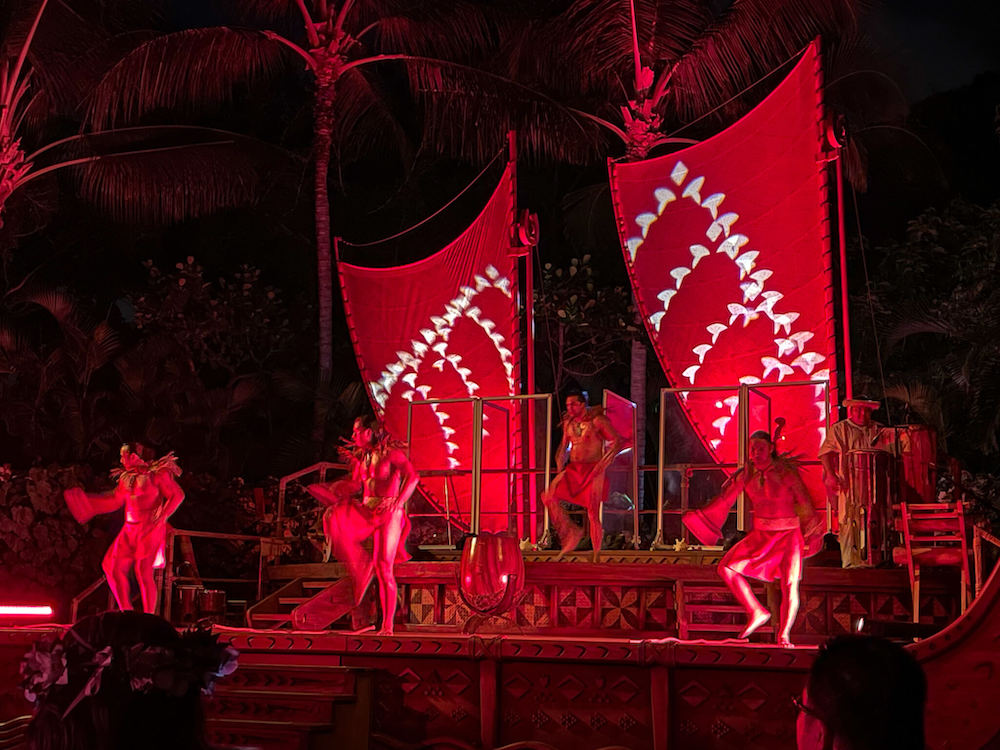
x=352, y=454
x=129, y=477
x=197, y=660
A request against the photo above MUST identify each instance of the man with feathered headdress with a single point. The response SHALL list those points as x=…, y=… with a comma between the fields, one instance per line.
x=149, y=491
x=372, y=503
x=784, y=526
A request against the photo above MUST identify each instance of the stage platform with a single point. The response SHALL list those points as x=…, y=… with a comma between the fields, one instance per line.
x=629, y=594
x=589, y=660
x=430, y=689
x=438, y=690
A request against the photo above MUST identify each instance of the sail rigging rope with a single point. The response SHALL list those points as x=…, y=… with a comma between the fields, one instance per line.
x=423, y=221
x=871, y=305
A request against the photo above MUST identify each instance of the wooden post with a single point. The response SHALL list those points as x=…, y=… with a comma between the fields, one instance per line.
x=488, y=706
x=659, y=693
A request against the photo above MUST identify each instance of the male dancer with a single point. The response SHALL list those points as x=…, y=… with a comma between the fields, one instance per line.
x=774, y=549
x=150, y=494
x=581, y=481
x=371, y=502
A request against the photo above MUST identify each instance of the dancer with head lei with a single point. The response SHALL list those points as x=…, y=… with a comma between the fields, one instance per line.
x=149, y=492
x=371, y=503
x=783, y=519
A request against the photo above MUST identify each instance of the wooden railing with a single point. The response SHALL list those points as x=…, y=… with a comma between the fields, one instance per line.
x=980, y=534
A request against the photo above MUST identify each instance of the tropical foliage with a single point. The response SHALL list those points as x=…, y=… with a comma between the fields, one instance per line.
x=936, y=308
x=178, y=365
x=644, y=69
x=583, y=327
x=355, y=54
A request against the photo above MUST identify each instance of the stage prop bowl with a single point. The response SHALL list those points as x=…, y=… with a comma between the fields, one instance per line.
x=491, y=573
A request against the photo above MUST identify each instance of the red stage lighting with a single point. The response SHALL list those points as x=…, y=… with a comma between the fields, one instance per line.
x=25, y=610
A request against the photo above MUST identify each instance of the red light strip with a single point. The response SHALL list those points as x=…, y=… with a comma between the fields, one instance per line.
x=26, y=610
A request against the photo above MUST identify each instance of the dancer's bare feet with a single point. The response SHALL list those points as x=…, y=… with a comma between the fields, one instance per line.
x=755, y=622
x=572, y=540
x=785, y=642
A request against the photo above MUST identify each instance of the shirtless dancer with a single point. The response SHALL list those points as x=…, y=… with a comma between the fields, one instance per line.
x=581, y=481
x=150, y=494
x=775, y=548
x=371, y=502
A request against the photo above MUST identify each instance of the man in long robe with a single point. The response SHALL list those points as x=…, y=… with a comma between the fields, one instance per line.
x=857, y=432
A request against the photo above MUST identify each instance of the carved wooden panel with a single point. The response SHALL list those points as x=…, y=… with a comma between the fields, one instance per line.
x=421, y=600
x=421, y=698
x=455, y=613
x=619, y=607
x=534, y=609
x=575, y=706
x=659, y=610
x=575, y=607
x=738, y=709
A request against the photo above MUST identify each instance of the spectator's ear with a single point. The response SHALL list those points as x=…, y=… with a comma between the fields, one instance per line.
x=811, y=734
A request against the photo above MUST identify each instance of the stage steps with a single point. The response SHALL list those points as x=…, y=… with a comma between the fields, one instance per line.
x=708, y=610
x=270, y=705
x=275, y=610
x=304, y=604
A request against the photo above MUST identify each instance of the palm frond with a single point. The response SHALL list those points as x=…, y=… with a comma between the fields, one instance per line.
x=104, y=342
x=926, y=323
x=61, y=306
x=468, y=112
x=365, y=121
x=668, y=29
x=748, y=41
x=184, y=72
x=292, y=388
x=455, y=30
x=163, y=174
x=64, y=39
x=588, y=48
x=244, y=392
x=922, y=399
x=10, y=339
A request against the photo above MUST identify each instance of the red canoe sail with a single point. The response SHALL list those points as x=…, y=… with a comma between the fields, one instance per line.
x=446, y=327
x=727, y=246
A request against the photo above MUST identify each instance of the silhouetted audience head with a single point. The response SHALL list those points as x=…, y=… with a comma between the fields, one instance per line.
x=863, y=693
x=122, y=681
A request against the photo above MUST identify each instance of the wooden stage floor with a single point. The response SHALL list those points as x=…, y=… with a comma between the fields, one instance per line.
x=635, y=595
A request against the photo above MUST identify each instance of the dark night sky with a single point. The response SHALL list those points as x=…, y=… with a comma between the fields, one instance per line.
x=936, y=45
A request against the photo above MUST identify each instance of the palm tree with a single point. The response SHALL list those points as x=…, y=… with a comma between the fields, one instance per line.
x=641, y=67
x=344, y=46
x=50, y=58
